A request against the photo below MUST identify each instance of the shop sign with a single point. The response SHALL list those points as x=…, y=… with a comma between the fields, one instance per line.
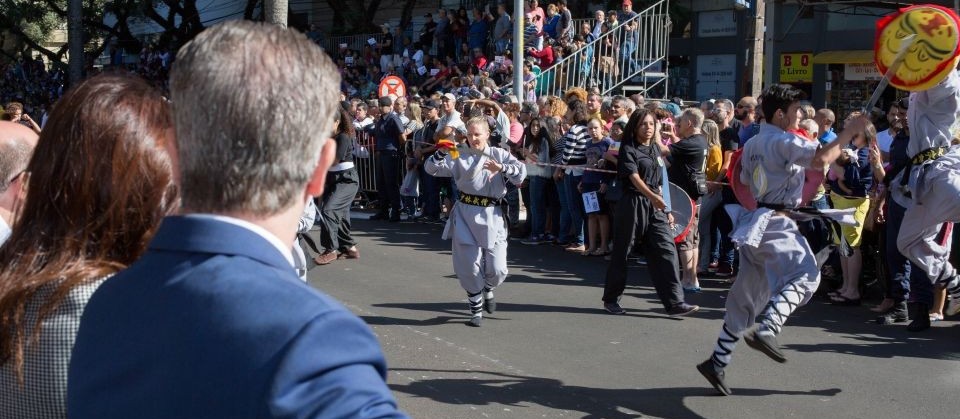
x=796, y=68
x=861, y=72
x=716, y=76
x=714, y=68
x=718, y=23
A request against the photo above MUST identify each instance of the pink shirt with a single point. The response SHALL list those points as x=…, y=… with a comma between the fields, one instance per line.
x=516, y=132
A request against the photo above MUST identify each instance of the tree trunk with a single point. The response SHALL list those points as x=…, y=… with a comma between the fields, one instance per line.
x=75, y=40
x=275, y=11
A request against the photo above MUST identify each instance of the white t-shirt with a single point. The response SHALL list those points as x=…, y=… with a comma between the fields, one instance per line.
x=453, y=120
x=884, y=139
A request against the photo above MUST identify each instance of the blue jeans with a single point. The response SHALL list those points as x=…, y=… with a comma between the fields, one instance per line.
x=538, y=205
x=430, y=194
x=574, y=209
x=502, y=46
x=906, y=280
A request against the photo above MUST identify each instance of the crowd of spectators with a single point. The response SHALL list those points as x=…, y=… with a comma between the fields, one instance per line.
x=563, y=139
x=459, y=50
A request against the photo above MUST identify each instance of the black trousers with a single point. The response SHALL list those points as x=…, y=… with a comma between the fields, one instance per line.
x=388, y=181
x=636, y=219
x=341, y=188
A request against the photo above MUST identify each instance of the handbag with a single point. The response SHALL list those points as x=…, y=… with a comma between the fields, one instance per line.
x=614, y=190
x=875, y=216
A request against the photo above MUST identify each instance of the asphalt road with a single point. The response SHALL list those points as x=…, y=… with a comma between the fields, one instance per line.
x=550, y=351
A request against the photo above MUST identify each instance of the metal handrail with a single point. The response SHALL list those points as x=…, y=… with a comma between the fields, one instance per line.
x=354, y=42
x=616, y=57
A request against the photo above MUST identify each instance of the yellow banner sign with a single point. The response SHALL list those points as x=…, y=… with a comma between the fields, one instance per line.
x=796, y=68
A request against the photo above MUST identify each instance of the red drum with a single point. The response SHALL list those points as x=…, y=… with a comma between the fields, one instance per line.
x=682, y=208
x=811, y=183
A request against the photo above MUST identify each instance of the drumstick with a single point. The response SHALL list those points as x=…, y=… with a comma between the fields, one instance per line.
x=905, y=44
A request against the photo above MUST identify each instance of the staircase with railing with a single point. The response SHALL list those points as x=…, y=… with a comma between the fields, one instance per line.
x=630, y=57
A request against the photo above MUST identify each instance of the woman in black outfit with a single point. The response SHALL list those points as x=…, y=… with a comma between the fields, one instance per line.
x=640, y=215
x=342, y=185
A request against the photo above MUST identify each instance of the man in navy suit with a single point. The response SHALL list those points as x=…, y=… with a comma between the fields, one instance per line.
x=212, y=322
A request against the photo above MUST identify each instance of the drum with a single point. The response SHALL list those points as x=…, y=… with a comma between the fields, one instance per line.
x=811, y=183
x=682, y=207
x=934, y=53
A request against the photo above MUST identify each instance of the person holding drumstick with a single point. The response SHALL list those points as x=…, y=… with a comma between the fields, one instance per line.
x=641, y=215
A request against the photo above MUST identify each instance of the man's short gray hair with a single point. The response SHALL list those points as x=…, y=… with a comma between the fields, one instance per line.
x=253, y=104
x=694, y=115
x=625, y=103
x=14, y=156
x=727, y=105
x=531, y=107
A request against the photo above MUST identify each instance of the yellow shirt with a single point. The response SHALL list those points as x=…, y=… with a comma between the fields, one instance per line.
x=714, y=162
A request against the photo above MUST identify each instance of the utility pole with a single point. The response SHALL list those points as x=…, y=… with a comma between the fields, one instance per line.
x=518, y=25
x=759, y=29
x=275, y=11
x=75, y=40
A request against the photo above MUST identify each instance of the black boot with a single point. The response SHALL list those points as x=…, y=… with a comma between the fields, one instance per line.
x=897, y=314
x=920, y=314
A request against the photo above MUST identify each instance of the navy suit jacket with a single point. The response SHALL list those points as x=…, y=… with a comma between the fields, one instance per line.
x=212, y=322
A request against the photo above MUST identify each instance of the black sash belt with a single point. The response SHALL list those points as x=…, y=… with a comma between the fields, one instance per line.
x=478, y=200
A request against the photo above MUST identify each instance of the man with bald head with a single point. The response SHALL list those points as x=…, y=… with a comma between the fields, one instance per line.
x=16, y=146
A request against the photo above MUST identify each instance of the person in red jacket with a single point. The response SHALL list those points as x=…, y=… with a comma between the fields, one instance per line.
x=545, y=55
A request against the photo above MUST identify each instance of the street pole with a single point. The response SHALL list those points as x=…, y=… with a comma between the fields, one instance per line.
x=75, y=40
x=518, y=25
x=757, y=60
x=275, y=11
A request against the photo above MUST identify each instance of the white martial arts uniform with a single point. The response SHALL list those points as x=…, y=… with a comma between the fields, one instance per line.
x=931, y=194
x=778, y=271
x=478, y=231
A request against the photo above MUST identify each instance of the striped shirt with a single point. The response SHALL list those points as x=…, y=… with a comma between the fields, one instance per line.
x=575, y=144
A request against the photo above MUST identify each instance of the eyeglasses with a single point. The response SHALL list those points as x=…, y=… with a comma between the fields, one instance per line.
x=744, y=107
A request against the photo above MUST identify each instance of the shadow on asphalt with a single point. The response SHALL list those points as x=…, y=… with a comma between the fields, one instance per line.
x=557, y=267
x=481, y=389
x=502, y=307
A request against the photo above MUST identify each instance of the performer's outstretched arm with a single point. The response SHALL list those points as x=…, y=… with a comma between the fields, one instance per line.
x=439, y=165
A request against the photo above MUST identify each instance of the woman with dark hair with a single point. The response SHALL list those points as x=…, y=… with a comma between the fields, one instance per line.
x=641, y=215
x=343, y=182
x=99, y=184
x=537, y=150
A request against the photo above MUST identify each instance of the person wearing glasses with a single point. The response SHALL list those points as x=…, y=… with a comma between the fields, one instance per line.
x=746, y=113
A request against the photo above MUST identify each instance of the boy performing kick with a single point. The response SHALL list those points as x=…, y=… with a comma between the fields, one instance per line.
x=775, y=260
x=929, y=188
x=476, y=223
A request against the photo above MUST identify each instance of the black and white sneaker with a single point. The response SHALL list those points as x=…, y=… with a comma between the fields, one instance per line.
x=715, y=376
x=765, y=343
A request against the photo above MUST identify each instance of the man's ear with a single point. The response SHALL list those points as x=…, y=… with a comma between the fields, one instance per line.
x=170, y=146
x=319, y=176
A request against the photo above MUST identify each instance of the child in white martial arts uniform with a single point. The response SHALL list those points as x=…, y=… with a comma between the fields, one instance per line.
x=476, y=223
x=775, y=260
x=929, y=188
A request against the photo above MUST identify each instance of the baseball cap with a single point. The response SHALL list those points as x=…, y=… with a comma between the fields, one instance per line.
x=448, y=96
x=428, y=15
x=430, y=104
x=386, y=101
x=385, y=26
